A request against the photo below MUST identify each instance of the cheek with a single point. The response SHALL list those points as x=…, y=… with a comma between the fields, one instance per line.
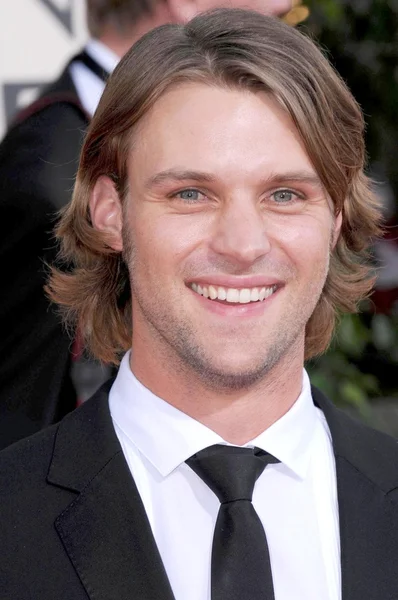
x=306, y=242
x=162, y=242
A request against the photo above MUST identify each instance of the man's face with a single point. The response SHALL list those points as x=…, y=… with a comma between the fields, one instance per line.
x=268, y=7
x=227, y=231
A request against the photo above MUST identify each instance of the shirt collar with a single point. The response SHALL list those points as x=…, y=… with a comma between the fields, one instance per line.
x=103, y=55
x=289, y=438
x=167, y=437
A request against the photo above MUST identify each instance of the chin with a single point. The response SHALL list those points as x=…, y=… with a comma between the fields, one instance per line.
x=238, y=378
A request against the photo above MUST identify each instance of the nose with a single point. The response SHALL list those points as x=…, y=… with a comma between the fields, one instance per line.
x=240, y=234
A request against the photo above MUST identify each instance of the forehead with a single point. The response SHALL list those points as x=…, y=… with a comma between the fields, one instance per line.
x=217, y=128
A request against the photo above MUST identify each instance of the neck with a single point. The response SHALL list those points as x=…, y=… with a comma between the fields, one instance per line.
x=238, y=416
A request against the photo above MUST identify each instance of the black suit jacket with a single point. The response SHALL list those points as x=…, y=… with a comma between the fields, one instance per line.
x=74, y=527
x=38, y=163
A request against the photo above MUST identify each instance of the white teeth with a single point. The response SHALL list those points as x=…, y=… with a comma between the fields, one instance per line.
x=254, y=295
x=234, y=295
x=261, y=294
x=244, y=296
x=222, y=293
x=213, y=293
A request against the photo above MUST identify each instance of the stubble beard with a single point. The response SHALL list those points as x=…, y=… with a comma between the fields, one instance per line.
x=180, y=350
x=177, y=341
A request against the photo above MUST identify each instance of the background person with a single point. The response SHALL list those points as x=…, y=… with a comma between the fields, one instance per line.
x=38, y=162
x=220, y=219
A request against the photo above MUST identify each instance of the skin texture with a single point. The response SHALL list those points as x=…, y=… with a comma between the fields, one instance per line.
x=254, y=209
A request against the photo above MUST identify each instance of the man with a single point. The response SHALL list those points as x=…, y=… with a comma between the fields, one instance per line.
x=38, y=162
x=220, y=218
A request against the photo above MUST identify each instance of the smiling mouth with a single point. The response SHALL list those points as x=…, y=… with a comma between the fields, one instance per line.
x=234, y=295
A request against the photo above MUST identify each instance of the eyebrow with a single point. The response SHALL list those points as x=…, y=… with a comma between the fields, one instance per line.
x=308, y=177
x=179, y=175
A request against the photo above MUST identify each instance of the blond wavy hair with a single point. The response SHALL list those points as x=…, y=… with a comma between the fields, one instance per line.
x=237, y=49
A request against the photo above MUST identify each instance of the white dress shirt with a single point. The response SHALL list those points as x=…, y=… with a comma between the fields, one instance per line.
x=295, y=499
x=88, y=85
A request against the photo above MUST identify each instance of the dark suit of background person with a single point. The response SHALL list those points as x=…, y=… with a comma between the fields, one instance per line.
x=38, y=164
x=82, y=531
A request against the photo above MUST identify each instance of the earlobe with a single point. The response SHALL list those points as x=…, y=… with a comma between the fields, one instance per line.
x=106, y=211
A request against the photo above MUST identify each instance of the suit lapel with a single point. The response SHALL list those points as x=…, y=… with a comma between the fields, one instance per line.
x=105, y=530
x=367, y=483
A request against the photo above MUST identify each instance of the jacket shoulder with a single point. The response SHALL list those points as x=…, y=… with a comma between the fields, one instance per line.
x=36, y=135
x=26, y=462
x=83, y=440
x=372, y=452
x=34, y=564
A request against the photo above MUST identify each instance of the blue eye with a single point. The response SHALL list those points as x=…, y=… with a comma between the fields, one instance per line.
x=283, y=196
x=189, y=195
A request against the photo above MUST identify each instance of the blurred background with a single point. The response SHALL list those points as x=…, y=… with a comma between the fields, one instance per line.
x=361, y=368
x=36, y=39
x=361, y=39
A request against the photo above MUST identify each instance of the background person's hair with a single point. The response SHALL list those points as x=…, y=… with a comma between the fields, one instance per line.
x=235, y=49
x=121, y=15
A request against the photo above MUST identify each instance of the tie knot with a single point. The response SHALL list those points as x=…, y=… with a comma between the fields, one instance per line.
x=229, y=471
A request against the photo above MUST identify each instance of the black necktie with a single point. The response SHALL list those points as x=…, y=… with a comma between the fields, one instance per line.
x=240, y=564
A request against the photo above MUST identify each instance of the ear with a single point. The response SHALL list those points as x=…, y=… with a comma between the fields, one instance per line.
x=106, y=211
x=336, y=228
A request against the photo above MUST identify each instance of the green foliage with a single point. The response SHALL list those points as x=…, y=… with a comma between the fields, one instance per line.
x=361, y=362
x=360, y=37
